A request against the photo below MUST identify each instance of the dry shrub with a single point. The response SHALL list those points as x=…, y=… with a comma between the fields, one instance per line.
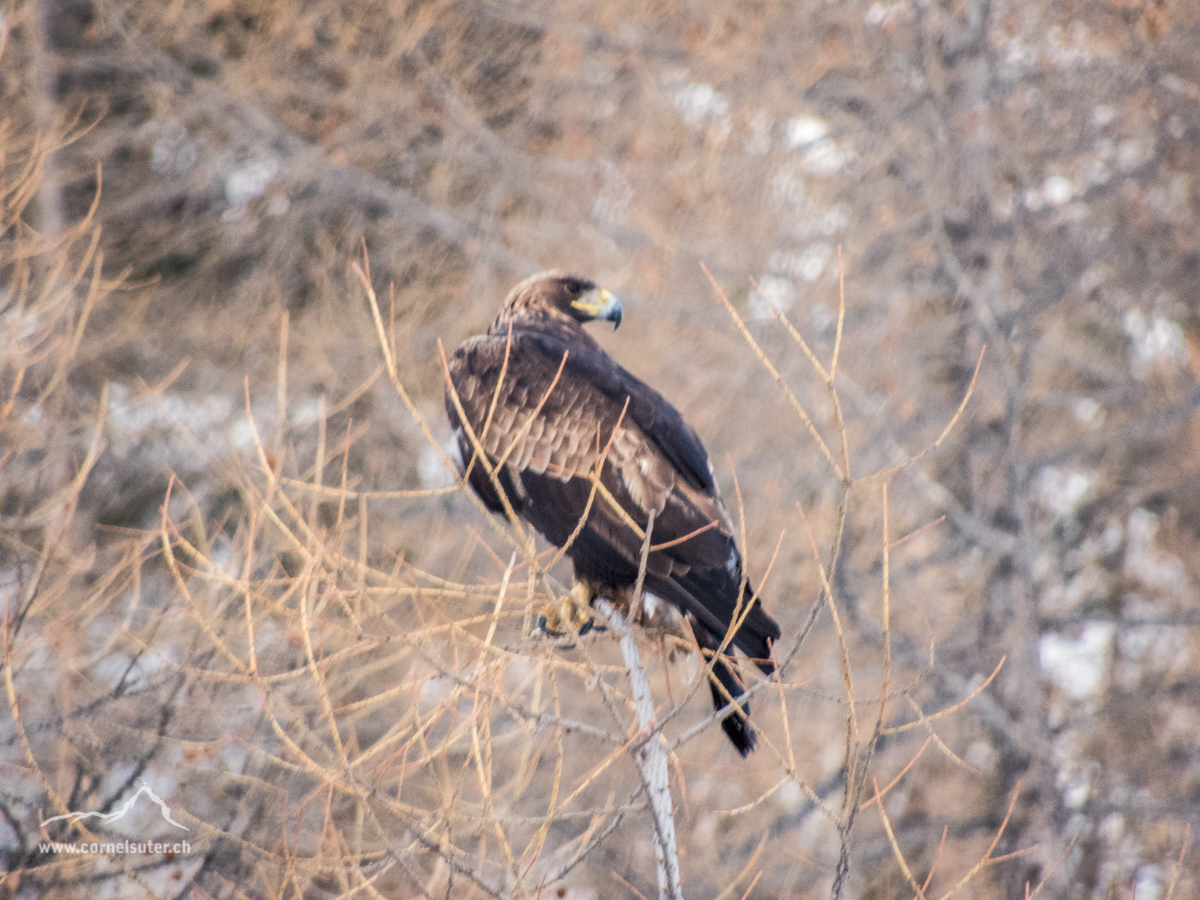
x=326, y=718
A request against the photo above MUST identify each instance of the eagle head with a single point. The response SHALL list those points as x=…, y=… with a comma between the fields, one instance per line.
x=558, y=294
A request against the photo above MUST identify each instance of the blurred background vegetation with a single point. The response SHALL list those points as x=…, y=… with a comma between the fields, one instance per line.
x=321, y=682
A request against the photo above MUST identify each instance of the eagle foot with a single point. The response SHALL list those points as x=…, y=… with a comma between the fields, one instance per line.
x=569, y=617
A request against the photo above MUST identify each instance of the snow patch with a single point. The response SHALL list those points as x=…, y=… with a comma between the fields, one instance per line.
x=702, y=107
x=803, y=131
x=774, y=293
x=1078, y=665
x=1060, y=491
x=1150, y=343
x=247, y=182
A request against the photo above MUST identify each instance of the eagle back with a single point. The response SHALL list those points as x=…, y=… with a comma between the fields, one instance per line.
x=558, y=423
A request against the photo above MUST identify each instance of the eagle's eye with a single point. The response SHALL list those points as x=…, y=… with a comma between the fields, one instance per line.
x=573, y=287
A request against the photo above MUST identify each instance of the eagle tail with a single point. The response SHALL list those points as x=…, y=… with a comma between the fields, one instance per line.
x=754, y=638
x=736, y=725
x=757, y=631
x=725, y=682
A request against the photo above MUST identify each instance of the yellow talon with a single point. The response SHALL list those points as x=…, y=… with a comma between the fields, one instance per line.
x=568, y=616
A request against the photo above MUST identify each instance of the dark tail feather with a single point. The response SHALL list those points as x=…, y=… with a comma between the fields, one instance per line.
x=737, y=724
x=754, y=638
x=758, y=631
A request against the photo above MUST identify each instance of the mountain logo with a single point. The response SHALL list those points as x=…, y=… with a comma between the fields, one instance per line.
x=105, y=818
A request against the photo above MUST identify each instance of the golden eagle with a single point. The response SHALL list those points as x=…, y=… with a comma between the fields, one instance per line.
x=562, y=407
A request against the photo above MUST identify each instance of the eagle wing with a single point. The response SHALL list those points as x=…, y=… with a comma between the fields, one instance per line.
x=561, y=408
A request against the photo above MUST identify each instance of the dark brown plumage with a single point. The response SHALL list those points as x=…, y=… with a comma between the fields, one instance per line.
x=655, y=461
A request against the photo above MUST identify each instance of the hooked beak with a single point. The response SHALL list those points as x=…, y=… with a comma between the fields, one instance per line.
x=600, y=304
